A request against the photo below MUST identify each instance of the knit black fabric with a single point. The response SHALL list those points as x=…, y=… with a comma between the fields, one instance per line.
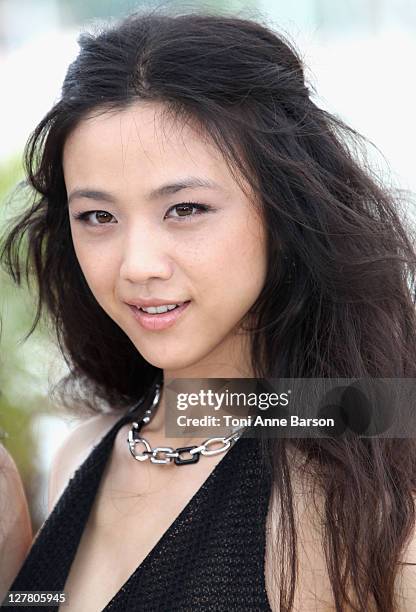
x=211, y=558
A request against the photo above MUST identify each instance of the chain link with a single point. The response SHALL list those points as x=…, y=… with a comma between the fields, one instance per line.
x=168, y=453
x=165, y=454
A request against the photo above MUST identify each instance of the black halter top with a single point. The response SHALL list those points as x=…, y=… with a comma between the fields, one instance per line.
x=211, y=558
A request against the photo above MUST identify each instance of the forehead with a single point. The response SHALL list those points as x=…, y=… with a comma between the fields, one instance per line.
x=140, y=143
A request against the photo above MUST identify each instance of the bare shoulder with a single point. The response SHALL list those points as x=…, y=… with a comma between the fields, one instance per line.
x=15, y=524
x=406, y=579
x=12, y=495
x=74, y=450
x=313, y=586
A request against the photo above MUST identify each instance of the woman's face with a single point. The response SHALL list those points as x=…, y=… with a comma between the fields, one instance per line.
x=144, y=245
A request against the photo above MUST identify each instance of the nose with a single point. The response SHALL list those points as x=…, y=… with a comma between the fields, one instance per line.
x=144, y=255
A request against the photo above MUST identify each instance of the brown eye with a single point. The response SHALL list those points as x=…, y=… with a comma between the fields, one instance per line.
x=102, y=216
x=185, y=210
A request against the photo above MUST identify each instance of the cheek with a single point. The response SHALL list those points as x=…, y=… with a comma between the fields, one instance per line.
x=232, y=271
x=243, y=259
x=97, y=268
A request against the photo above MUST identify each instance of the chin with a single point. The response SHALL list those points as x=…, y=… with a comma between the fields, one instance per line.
x=164, y=362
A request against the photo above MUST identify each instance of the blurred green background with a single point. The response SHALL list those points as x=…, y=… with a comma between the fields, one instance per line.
x=359, y=55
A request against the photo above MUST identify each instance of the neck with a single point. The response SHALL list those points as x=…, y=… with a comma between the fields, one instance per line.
x=157, y=424
x=232, y=363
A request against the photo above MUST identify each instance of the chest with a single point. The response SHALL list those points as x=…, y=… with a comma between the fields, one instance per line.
x=134, y=510
x=124, y=528
x=136, y=506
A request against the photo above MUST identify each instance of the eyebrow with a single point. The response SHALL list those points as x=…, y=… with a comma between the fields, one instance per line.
x=189, y=182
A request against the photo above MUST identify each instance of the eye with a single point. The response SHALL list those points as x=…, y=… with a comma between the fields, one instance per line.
x=102, y=217
x=185, y=207
x=83, y=217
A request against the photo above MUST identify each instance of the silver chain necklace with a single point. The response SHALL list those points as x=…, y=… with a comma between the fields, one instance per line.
x=165, y=454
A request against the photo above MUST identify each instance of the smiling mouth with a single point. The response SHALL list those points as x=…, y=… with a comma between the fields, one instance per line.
x=158, y=321
x=159, y=313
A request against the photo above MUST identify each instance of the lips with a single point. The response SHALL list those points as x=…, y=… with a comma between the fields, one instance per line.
x=156, y=322
x=147, y=303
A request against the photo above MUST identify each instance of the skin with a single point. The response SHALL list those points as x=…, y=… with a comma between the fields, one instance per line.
x=15, y=524
x=142, y=248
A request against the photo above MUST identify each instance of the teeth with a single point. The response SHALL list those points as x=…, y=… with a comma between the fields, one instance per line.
x=159, y=309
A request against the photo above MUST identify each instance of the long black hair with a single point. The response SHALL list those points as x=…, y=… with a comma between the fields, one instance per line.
x=338, y=298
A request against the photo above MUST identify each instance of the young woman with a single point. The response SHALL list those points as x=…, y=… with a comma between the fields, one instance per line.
x=15, y=524
x=228, y=193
